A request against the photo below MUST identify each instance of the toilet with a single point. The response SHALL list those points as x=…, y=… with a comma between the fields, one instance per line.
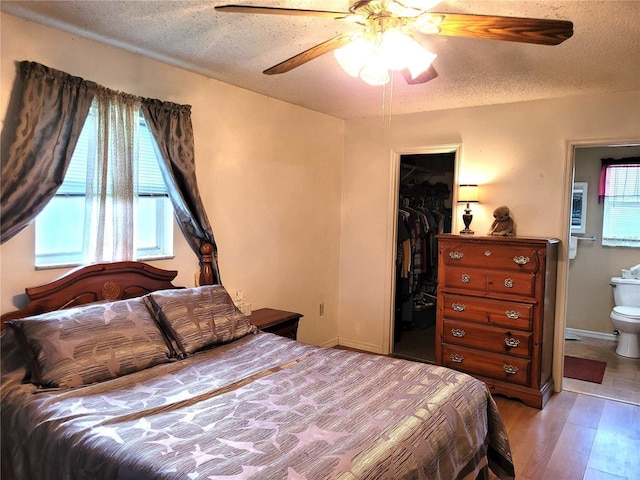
x=626, y=315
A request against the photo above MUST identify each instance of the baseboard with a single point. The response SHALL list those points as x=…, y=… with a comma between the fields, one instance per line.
x=365, y=347
x=330, y=343
x=588, y=333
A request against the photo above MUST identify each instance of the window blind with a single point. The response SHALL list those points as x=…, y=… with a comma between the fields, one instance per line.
x=622, y=206
x=150, y=181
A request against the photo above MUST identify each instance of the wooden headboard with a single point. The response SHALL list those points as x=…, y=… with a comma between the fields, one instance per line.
x=107, y=281
x=94, y=283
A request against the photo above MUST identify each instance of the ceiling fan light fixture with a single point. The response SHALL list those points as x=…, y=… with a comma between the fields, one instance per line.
x=428, y=23
x=353, y=56
x=395, y=49
x=400, y=51
x=375, y=72
x=371, y=58
x=410, y=8
x=402, y=10
x=386, y=44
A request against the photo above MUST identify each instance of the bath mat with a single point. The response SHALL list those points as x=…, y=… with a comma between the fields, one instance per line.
x=584, y=369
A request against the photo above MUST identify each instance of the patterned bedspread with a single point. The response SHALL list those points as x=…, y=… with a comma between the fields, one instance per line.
x=261, y=407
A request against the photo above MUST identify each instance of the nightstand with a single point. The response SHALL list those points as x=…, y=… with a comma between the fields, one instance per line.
x=275, y=321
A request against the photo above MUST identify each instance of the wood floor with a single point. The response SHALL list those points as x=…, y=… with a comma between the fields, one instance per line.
x=621, y=377
x=574, y=437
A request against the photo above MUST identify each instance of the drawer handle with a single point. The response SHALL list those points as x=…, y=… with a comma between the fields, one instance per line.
x=512, y=314
x=466, y=278
x=510, y=369
x=455, y=357
x=487, y=253
x=521, y=259
x=456, y=255
x=458, y=332
x=511, y=342
x=458, y=307
x=508, y=282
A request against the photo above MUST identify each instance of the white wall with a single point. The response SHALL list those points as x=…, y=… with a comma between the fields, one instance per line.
x=516, y=152
x=269, y=174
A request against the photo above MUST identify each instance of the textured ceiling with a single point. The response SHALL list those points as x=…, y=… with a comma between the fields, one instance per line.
x=602, y=56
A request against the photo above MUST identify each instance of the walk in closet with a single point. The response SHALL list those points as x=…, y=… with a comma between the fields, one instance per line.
x=425, y=196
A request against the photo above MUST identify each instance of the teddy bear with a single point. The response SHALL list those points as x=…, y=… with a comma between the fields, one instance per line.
x=503, y=225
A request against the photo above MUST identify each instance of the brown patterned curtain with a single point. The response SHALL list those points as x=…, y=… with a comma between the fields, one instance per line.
x=54, y=106
x=170, y=125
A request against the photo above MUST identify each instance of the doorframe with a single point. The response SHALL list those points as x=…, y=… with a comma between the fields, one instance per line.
x=392, y=226
x=562, y=290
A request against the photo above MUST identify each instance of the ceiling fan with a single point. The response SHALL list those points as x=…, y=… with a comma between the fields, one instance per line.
x=386, y=39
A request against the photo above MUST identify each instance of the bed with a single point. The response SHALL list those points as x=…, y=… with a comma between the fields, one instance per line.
x=112, y=372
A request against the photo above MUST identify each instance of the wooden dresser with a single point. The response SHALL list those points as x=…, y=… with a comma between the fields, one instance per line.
x=495, y=312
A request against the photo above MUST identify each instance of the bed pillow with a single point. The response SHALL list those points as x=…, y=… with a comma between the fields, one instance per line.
x=199, y=317
x=91, y=343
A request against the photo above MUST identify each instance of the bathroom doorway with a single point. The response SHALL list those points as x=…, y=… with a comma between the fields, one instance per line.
x=588, y=329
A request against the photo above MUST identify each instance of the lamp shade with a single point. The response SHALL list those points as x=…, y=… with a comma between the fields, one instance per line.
x=468, y=193
x=371, y=55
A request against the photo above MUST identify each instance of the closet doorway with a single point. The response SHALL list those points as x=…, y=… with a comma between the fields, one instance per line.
x=425, y=204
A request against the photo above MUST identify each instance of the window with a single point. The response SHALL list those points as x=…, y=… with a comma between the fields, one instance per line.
x=60, y=226
x=620, y=226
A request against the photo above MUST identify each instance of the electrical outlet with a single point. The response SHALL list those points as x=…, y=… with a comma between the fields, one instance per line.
x=321, y=309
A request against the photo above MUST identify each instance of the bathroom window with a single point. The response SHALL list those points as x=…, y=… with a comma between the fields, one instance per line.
x=620, y=194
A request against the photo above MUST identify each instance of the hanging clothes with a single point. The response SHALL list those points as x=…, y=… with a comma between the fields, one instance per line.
x=420, y=219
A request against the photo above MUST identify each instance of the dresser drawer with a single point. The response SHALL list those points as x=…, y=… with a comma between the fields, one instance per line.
x=511, y=283
x=492, y=365
x=464, y=277
x=516, y=315
x=499, y=340
x=513, y=257
x=494, y=281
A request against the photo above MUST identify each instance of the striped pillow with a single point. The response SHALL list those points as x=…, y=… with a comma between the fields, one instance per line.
x=198, y=317
x=91, y=343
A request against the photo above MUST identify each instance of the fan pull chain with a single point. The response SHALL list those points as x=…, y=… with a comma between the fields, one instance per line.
x=390, y=101
x=384, y=91
x=387, y=111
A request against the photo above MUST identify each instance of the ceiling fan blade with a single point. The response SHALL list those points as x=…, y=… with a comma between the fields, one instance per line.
x=512, y=29
x=429, y=74
x=283, y=11
x=310, y=54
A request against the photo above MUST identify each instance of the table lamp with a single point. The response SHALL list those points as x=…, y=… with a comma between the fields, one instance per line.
x=469, y=194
